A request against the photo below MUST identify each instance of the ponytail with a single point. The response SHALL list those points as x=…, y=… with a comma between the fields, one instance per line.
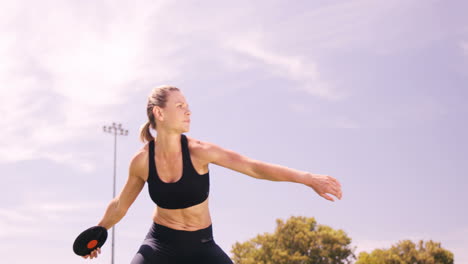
x=158, y=97
x=145, y=133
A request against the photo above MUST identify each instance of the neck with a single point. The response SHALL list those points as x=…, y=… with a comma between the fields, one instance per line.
x=168, y=144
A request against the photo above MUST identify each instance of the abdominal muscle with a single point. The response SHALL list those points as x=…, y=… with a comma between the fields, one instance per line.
x=188, y=219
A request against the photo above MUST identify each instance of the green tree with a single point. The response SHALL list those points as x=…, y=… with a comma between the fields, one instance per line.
x=299, y=240
x=407, y=252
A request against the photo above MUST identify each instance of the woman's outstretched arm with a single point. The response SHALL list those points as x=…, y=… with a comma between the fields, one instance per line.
x=322, y=184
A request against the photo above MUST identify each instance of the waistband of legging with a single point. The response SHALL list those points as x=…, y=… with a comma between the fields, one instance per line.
x=169, y=234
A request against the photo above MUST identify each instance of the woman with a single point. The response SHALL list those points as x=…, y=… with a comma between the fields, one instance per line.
x=176, y=169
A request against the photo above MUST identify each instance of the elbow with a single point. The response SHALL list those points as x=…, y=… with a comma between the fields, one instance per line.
x=120, y=213
x=256, y=170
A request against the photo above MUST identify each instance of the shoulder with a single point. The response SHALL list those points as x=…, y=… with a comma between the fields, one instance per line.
x=197, y=145
x=202, y=149
x=212, y=153
x=208, y=152
x=139, y=162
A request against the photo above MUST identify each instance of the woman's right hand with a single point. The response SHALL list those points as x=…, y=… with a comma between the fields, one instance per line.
x=93, y=254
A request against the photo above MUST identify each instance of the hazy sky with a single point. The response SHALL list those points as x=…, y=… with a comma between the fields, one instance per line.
x=370, y=92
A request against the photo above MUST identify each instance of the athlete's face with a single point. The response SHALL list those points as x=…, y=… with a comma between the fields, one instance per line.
x=176, y=114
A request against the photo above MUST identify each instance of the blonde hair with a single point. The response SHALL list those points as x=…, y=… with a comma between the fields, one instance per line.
x=157, y=97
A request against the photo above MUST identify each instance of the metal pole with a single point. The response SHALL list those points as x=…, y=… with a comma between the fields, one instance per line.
x=114, y=129
x=113, y=193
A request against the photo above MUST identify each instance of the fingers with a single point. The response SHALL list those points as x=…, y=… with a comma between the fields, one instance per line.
x=335, y=192
x=93, y=254
x=335, y=188
x=96, y=252
x=324, y=185
x=326, y=196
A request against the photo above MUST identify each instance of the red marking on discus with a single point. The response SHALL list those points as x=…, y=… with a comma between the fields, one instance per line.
x=92, y=244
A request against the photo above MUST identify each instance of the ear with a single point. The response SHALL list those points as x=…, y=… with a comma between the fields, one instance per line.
x=158, y=113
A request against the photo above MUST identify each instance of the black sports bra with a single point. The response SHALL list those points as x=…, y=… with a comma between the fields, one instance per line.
x=190, y=190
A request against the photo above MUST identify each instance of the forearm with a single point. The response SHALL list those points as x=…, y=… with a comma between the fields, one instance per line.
x=112, y=215
x=273, y=172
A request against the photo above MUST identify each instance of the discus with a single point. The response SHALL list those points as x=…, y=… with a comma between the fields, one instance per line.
x=90, y=239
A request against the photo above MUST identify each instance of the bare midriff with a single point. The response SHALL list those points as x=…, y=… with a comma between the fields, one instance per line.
x=188, y=219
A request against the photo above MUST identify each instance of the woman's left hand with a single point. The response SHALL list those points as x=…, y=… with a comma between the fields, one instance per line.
x=323, y=184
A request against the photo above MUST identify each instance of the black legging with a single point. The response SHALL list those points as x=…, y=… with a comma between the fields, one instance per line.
x=164, y=245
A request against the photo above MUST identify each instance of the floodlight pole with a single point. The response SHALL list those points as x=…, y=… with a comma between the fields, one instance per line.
x=116, y=130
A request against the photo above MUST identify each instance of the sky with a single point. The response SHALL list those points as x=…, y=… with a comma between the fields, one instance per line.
x=371, y=92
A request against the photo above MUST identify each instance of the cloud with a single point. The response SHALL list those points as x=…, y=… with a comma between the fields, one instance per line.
x=15, y=215
x=383, y=27
x=284, y=47
x=294, y=68
x=65, y=73
x=65, y=66
x=33, y=217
